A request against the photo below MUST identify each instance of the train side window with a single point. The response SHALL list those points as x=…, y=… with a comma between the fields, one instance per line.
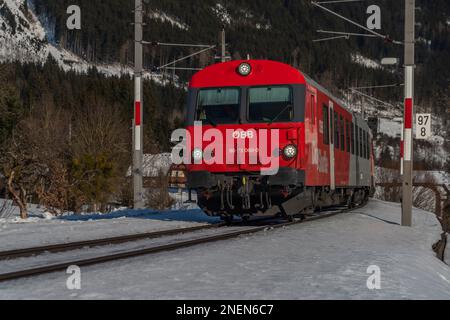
x=349, y=134
x=336, y=130
x=357, y=140
x=360, y=143
x=342, y=133
x=330, y=117
x=326, y=125
x=368, y=146
x=364, y=144
x=353, y=137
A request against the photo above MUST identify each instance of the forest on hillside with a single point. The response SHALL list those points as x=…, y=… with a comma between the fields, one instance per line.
x=65, y=137
x=281, y=30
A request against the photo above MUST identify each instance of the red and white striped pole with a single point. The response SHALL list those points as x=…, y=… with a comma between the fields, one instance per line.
x=409, y=113
x=402, y=148
x=138, y=114
x=138, y=196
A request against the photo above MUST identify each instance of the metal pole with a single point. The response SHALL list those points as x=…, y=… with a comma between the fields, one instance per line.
x=138, y=200
x=224, y=46
x=409, y=113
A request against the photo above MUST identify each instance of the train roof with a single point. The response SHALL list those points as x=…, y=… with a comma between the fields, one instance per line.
x=263, y=72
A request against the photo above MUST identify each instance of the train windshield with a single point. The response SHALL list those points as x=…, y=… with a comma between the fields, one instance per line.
x=271, y=104
x=218, y=106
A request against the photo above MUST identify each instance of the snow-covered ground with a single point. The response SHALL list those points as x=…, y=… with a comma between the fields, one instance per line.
x=38, y=231
x=17, y=233
x=323, y=259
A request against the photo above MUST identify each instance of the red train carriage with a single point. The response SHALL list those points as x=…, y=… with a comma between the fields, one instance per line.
x=323, y=149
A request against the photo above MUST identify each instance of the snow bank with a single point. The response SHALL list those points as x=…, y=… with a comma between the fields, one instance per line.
x=16, y=233
x=326, y=259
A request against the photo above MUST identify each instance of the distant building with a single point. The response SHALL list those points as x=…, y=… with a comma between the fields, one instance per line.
x=177, y=176
x=159, y=169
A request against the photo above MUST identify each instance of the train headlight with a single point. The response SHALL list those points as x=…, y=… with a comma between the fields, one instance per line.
x=197, y=155
x=244, y=69
x=290, y=152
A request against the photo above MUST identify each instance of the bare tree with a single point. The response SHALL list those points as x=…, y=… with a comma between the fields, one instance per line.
x=425, y=197
x=99, y=148
x=37, y=148
x=386, y=175
x=21, y=170
x=158, y=196
x=6, y=209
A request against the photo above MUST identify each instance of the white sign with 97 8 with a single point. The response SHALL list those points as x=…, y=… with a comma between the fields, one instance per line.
x=423, y=126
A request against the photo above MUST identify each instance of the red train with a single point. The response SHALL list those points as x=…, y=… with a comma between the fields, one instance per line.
x=323, y=150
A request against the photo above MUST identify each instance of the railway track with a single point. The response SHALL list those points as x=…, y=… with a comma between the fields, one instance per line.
x=27, y=252
x=228, y=233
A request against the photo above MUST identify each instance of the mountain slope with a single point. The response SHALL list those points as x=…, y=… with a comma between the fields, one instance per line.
x=279, y=30
x=34, y=30
x=23, y=38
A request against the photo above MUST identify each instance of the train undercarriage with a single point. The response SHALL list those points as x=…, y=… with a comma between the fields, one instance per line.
x=248, y=195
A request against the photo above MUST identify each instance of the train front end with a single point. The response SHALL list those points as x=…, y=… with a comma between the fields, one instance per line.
x=245, y=120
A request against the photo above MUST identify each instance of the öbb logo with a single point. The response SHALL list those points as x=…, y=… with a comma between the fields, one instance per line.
x=240, y=134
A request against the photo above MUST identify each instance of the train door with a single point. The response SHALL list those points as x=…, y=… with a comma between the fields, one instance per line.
x=331, y=139
x=313, y=137
x=353, y=157
x=358, y=152
x=314, y=128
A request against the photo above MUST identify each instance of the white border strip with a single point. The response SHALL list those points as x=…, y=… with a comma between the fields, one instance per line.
x=409, y=81
x=407, y=144
x=137, y=89
x=137, y=138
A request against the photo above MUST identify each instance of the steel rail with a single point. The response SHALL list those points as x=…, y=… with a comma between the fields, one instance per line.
x=62, y=247
x=161, y=248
